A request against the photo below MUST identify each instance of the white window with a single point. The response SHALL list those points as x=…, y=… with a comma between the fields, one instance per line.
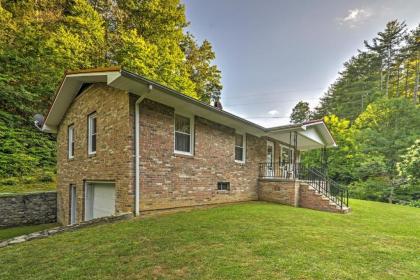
x=183, y=135
x=70, y=135
x=286, y=155
x=240, y=148
x=92, y=134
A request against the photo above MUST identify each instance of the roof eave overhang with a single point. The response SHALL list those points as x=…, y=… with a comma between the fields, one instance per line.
x=68, y=89
x=130, y=82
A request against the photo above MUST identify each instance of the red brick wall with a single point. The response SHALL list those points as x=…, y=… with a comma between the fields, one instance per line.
x=114, y=156
x=295, y=193
x=280, y=190
x=169, y=180
x=308, y=198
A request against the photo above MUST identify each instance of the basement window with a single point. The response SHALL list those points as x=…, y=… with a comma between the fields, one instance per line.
x=223, y=186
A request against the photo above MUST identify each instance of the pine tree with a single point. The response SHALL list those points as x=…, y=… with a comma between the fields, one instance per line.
x=386, y=46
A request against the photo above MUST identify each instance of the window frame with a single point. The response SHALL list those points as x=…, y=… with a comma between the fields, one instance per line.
x=90, y=134
x=221, y=184
x=191, y=119
x=292, y=154
x=70, y=142
x=72, y=201
x=243, y=147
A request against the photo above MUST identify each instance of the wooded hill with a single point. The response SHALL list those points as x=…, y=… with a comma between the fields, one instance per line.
x=373, y=111
x=40, y=39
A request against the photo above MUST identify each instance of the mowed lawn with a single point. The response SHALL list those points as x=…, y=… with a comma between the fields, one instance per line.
x=245, y=241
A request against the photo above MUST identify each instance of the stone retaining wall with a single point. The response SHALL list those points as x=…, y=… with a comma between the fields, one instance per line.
x=28, y=209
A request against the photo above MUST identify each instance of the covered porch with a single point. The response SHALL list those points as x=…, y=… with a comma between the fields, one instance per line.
x=286, y=143
x=283, y=152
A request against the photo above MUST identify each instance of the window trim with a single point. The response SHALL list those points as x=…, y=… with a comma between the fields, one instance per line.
x=90, y=117
x=222, y=183
x=243, y=147
x=192, y=123
x=72, y=201
x=70, y=142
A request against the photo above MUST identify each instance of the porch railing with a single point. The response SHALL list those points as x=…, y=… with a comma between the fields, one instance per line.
x=314, y=177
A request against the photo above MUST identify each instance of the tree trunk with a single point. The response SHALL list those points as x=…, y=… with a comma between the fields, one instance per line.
x=407, y=73
x=398, y=82
x=381, y=82
x=416, y=86
x=387, y=73
x=391, y=194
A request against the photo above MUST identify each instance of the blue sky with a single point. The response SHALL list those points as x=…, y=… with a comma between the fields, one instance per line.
x=274, y=53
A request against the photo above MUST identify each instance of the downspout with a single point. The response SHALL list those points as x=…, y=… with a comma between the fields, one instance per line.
x=137, y=145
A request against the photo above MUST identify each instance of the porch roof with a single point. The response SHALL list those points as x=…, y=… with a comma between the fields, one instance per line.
x=310, y=135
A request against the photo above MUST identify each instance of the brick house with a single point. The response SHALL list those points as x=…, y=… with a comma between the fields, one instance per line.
x=128, y=144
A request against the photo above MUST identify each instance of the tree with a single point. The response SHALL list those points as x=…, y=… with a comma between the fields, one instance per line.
x=409, y=166
x=301, y=112
x=411, y=52
x=385, y=130
x=357, y=85
x=386, y=46
x=40, y=39
x=341, y=160
x=205, y=76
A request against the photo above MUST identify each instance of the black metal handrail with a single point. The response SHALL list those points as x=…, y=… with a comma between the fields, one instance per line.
x=324, y=185
x=314, y=177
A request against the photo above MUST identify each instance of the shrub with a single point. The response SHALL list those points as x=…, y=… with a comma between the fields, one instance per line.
x=47, y=177
x=11, y=181
x=29, y=179
x=414, y=203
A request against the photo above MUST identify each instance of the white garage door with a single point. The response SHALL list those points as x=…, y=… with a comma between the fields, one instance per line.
x=100, y=200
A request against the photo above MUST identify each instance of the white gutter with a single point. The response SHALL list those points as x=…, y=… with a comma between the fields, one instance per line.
x=137, y=141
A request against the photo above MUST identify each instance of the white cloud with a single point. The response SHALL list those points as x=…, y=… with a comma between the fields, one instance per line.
x=273, y=112
x=355, y=17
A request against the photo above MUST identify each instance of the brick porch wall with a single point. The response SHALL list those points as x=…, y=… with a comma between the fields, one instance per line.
x=295, y=193
x=278, y=190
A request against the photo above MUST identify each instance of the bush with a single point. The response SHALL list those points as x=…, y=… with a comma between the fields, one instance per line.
x=414, y=203
x=29, y=179
x=47, y=177
x=12, y=181
x=377, y=189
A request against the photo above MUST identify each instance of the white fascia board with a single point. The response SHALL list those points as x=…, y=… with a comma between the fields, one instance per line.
x=67, y=92
x=46, y=128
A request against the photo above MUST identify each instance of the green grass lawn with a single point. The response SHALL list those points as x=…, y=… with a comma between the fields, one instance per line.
x=244, y=241
x=16, y=231
x=27, y=188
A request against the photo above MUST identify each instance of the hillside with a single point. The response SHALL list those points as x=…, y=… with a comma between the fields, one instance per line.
x=40, y=40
